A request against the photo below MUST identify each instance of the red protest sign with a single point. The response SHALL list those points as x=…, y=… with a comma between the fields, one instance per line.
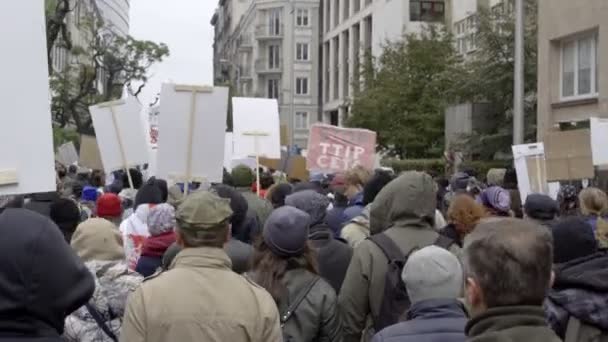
x=336, y=149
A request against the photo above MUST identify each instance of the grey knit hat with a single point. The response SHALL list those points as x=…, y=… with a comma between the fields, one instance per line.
x=286, y=231
x=432, y=273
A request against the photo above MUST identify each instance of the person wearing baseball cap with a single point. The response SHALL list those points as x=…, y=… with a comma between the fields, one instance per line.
x=200, y=298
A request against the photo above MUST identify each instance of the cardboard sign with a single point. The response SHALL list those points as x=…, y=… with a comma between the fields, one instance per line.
x=192, y=133
x=27, y=161
x=256, y=127
x=599, y=141
x=89, y=153
x=531, y=169
x=568, y=155
x=294, y=166
x=336, y=149
x=120, y=134
x=66, y=154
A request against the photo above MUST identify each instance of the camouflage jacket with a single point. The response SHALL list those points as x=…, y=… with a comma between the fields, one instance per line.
x=113, y=284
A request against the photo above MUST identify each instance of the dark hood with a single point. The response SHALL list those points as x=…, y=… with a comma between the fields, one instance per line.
x=580, y=290
x=311, y=202
x=41, y=278
x=238, y=204
x=408, y=201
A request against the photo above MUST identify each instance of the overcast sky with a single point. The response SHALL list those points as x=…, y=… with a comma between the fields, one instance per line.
x=184, y=26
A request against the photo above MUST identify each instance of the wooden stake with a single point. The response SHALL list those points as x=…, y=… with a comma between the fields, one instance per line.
x=256, y=135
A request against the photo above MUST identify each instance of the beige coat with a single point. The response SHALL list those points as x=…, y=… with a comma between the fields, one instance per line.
x=200, y=299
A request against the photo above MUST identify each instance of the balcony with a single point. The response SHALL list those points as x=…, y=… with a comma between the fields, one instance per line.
x=244, y=42
x=269, y=31
x=262, y=66
x=244, y=72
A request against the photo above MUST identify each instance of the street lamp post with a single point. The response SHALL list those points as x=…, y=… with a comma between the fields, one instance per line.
x=518, y=86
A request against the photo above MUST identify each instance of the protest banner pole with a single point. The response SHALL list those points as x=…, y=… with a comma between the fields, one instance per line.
x=256, y=135
x=191, y=121
x=123, y=156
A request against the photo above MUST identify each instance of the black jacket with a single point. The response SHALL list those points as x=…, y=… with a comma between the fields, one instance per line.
x=450, y=232
x=429, y=321
x=316, y=318
x=580, y=291
x=333, y=255
x=42, y=280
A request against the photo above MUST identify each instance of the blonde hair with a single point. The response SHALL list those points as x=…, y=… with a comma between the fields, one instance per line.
x=357, y=176
x=593, y=201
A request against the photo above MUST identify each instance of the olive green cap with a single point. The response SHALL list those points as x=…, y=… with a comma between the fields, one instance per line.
x=203, y=210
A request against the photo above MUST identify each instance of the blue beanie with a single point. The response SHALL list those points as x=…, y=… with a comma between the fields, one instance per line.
x=89, y=194
x=286, y=231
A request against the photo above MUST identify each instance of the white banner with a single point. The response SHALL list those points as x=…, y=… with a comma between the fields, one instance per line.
x=256, y=119
x=27, y=161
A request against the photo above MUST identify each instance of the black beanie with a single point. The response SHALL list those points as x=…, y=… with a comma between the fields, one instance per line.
x=238, y=204
x=375, y=184
x=149, y=193
x=66, y=215
x=573, y=238
x=279, y=193
x=541, y=207
x=164, y=189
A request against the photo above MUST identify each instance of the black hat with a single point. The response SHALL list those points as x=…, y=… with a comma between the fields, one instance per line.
x=541, y=207
x=286, y=231
x=149, y=193
x=572, y=238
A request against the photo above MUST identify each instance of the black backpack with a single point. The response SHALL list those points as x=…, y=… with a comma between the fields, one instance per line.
x=395, y=301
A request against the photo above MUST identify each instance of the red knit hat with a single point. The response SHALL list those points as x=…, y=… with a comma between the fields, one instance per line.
x=109, y=205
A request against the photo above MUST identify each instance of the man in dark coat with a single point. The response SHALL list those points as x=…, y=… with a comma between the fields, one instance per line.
x=576, y=305
x=333, y=255
x=433, y=278
x=42, y=280
x=509, y=264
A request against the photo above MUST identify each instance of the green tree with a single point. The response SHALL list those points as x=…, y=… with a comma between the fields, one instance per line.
x=105, y=66
x=405, y=91
x=489, y=76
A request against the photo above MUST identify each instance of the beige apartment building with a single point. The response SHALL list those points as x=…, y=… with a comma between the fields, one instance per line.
x=572, y=63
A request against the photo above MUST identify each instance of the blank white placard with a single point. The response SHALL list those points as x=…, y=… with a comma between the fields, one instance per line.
x=208, y=133
x=599, y=141
x=128, y=128
x=255, y=115
x=25, y=123
x=228, y=151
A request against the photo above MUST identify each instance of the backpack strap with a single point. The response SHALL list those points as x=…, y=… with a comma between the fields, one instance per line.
x=101, y=322
x=388, y=247
x=443, y=242
x=573, y=329
x=301, y=295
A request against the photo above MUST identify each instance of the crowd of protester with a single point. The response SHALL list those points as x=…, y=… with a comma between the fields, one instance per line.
x=355, y=256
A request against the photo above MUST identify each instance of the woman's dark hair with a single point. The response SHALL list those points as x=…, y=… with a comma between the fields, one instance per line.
x=136, y=177
x=266, y=180
x=268, y=269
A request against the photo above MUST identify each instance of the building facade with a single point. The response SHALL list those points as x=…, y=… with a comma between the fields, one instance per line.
x=270, y=48
x=572, y=59
x=357, y=29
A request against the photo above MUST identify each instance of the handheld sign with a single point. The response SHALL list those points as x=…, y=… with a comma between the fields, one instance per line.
x=192, y=130
x=89, y=153
x=66, y=154
x=568, y=155
x=27, y=162
x=599, y=141
x=335, y=149
x=531, y=169
x=256, y=130
x=120, y=135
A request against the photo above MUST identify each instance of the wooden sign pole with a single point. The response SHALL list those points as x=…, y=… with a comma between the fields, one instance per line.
x=256, y=135
x=191, y=122
x=123, y=156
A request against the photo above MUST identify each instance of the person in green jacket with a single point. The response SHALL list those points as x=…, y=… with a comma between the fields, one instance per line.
x=509, y=272
x=242, y=178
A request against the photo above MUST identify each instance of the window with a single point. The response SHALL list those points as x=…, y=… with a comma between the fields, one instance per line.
x=273, y=89
x=302, y=19
x=430, y=11
x=274, y=54
x=302, y=120
x=579, y=68
x=274, y=24
x=302, y=51
x=302, y=86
